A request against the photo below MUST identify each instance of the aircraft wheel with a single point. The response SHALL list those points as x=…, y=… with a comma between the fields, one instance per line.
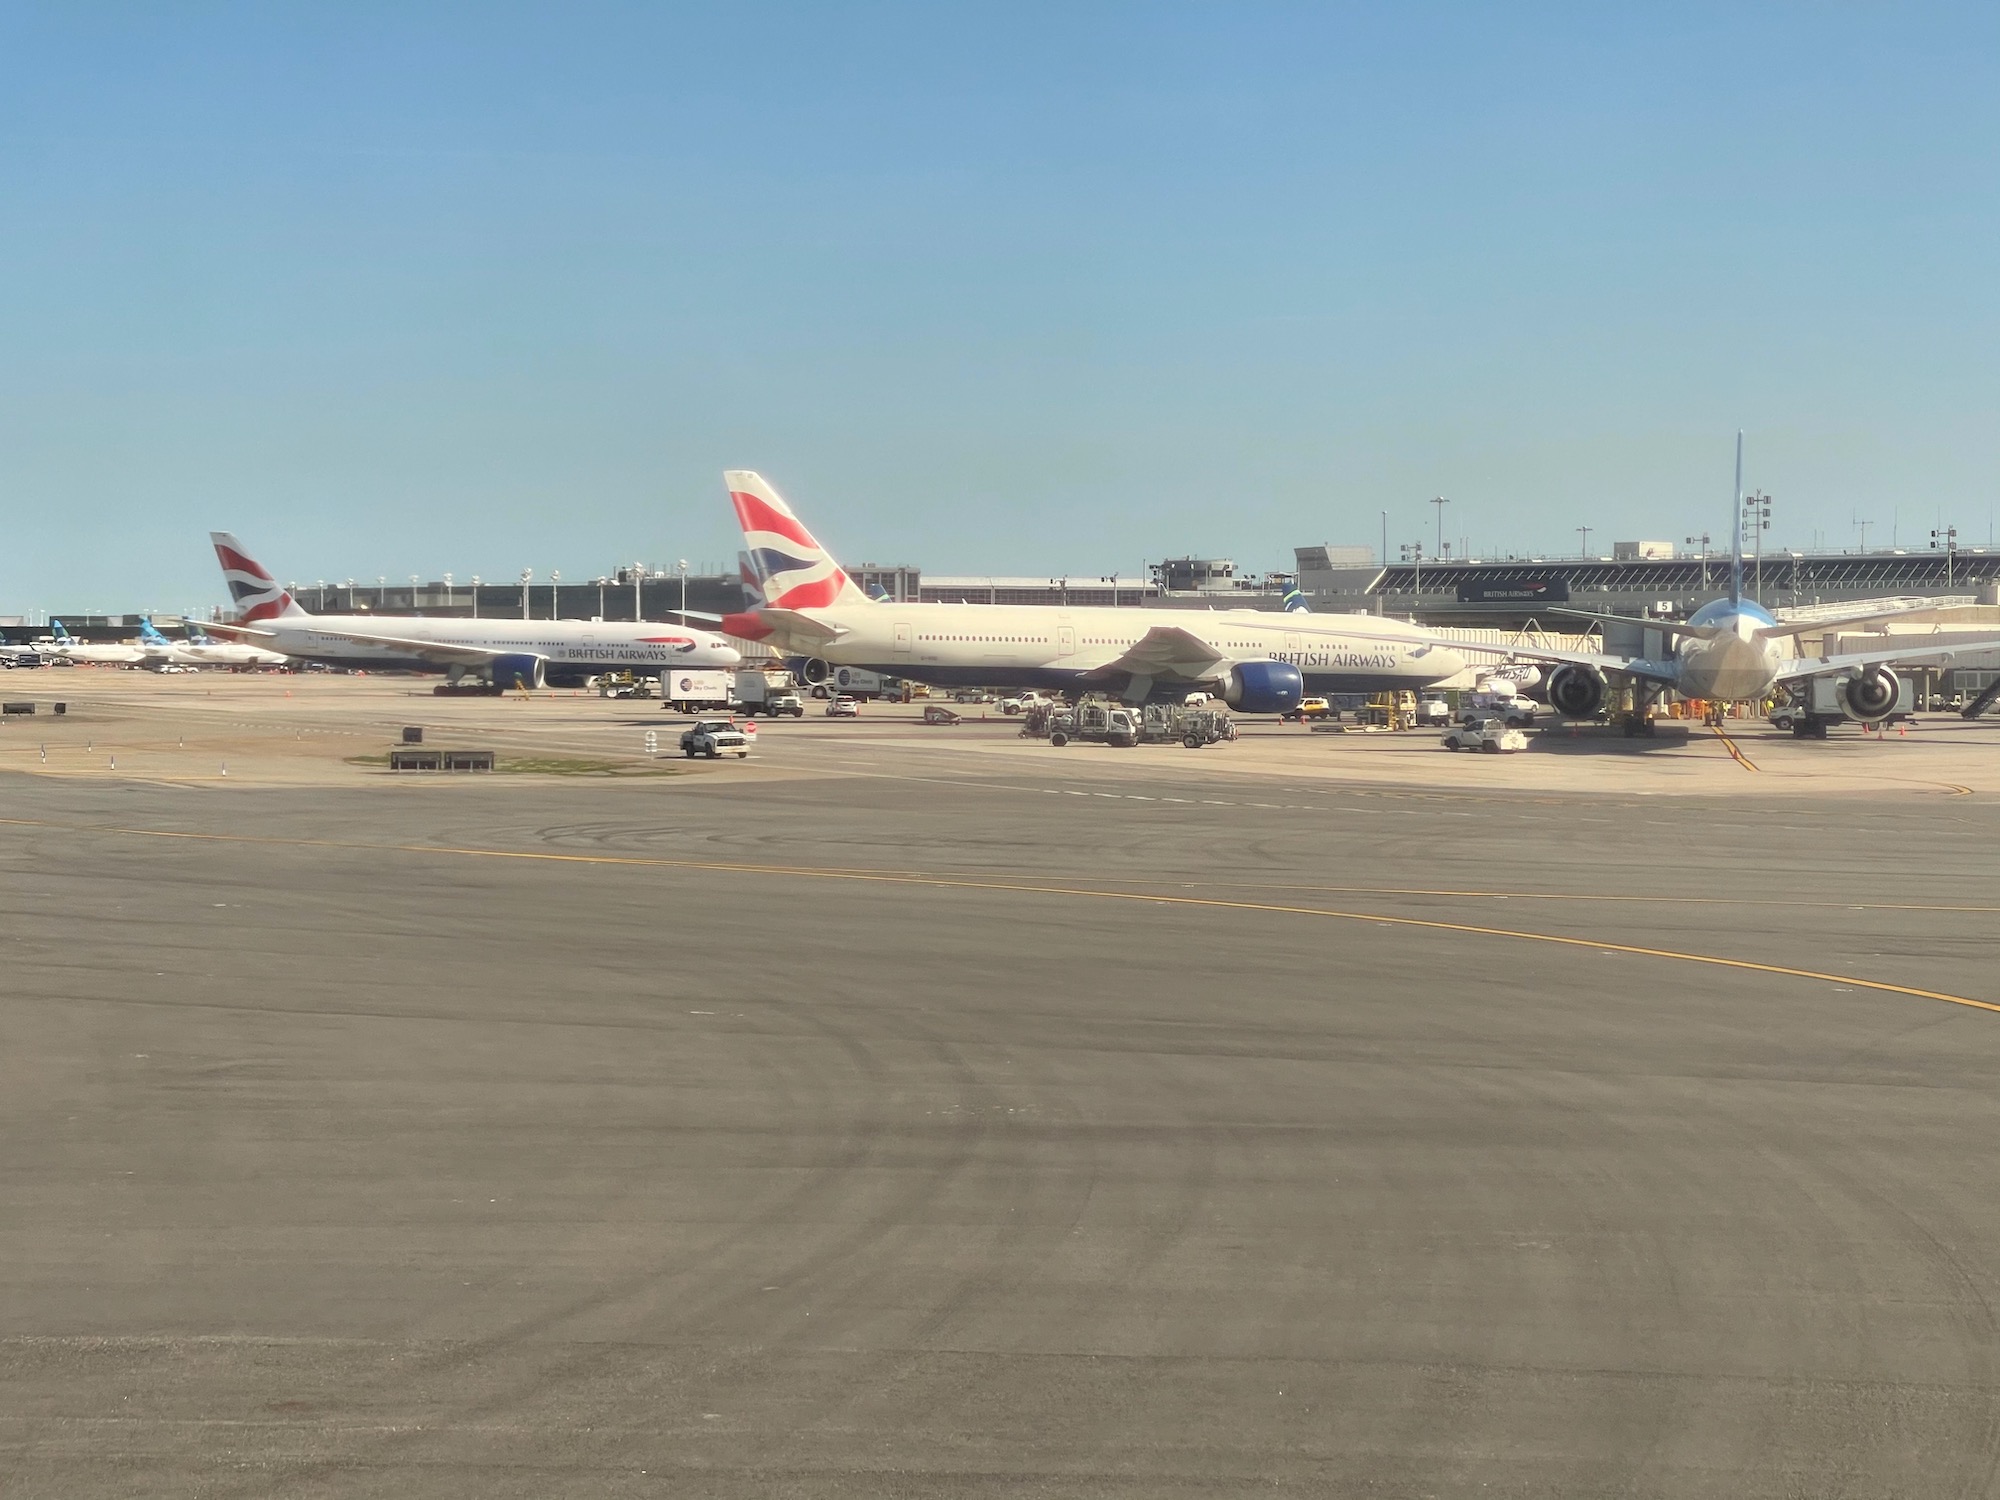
x=1058, y=739
x=1491, y=747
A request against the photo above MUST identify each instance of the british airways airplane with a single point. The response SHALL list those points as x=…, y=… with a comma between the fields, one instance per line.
x=1731, y=650
x=1257, y=661
x=507, y=653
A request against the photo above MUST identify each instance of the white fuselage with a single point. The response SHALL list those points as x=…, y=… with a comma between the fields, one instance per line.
x=224, y=654
x=1737, y=666
x=91, y=655
x=1000, y=645
x=571, y=648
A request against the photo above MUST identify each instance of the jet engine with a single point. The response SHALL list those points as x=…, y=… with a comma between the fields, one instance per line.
x=520, y=671
x=1263, y=687
x=1870, y=695
x=813, y=671
x=1575, y=691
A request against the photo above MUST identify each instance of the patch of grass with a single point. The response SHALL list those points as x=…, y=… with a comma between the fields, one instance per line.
x=559, y=766
x=368, y=760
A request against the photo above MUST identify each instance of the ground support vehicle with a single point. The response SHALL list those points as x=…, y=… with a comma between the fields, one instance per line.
x=1103, y=723
x=714, y=738
x=1818, y=702
x=843, y=707
x=1493, y=736
x=1024, y=703
x=937, y=713
x=625, y=685
x=827, y=681
x=694, y=691
x=1170, y=723
x=1311, y=709
x=1498, y=702
x=761, y=692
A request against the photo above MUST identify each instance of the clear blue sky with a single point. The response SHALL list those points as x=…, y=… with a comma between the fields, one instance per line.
x=407, y=288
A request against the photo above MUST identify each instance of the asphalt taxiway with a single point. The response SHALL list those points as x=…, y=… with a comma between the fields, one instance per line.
x=910, y=1116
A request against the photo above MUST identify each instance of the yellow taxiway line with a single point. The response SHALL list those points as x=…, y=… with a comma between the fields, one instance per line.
x=1021, y=888
x=1735, y=751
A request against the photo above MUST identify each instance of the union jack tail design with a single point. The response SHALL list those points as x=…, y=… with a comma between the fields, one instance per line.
x=792, y=570
x=256, y=593
x=753, y=586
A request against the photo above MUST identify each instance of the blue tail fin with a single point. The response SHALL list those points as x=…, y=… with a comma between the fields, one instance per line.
x=1736, y=531
x=1295, y=603
x=56, y=629
x=150, y=634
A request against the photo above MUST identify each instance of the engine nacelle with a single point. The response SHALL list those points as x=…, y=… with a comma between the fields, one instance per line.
x=1263, y=687
x=1870, y=695
x=1576, y=692
x=520, y=671
x=814, y=672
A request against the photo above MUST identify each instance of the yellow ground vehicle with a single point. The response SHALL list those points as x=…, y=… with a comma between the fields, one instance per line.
x=1310, y=709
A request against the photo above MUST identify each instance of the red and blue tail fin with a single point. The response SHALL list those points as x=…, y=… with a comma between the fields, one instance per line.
x=792, y=569
x=251, y=586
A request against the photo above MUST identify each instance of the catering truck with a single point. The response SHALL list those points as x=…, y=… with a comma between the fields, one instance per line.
x=693, y=692
x=764, y=692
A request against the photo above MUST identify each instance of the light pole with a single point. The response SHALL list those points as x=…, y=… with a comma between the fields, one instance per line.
x=600, y=597
x=413, y=593
x=526, y=575
x=682, y=568
x=1757, y=511
x=1949, y=536
x=1113, y=581
x=449, y=601
x=1385, y=539
x=1584, y=551
x=555, y=598
x=638, y=577
x=1413, y=554
x=1440, y=502
x=475, y=596
x=1704, y=540
x=381, y=591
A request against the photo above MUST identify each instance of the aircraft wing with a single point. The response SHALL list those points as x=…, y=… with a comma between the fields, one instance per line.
x=1665, y=672
x=799, y=628
x=236, y=630
x=1912, y=650
x=1165, y=651
x=443, y=653
x=1667, y=627
x=1837, y=622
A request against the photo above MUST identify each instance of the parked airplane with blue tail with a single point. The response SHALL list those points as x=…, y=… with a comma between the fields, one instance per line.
x=1731, y=650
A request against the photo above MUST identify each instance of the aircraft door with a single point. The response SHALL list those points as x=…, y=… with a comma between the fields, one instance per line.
x=1065, y=640
x=903, y=637
x=1294, y=646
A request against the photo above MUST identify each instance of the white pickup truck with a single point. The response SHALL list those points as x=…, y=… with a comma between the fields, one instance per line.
x=714, y=738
